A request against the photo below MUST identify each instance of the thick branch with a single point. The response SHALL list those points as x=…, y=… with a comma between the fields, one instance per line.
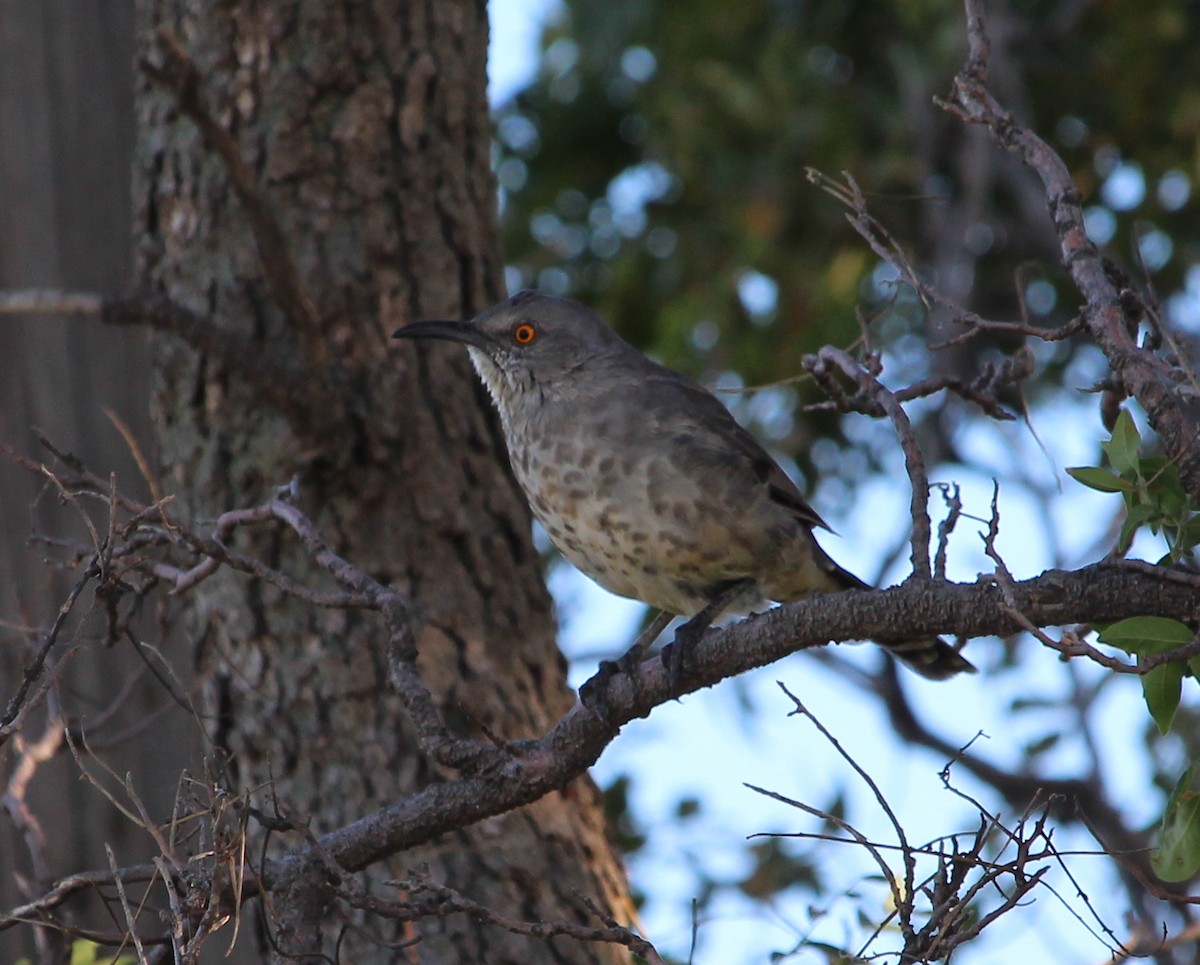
x=299, y=399
x=1103, y=592
x=284, y=387
x=521, y=773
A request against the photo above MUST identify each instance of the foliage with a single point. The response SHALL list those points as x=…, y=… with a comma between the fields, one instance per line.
x=1154, y=497
x=1177, y=858
x=655, y=169
x=656, y=166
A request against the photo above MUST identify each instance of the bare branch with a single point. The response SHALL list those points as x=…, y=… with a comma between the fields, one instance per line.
x=880, y=240
x=494, y=780
x=284, y=386
x=427, y=897
x=17, y=706
x=130, y=916
x=1112, y=311
x=50, y=301
x=913, y=460
x=29, y=756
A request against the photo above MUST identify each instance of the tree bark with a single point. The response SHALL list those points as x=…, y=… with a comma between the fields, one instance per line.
x=365, y=129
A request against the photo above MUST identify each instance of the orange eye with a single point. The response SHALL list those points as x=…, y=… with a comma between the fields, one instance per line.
x=524, y=334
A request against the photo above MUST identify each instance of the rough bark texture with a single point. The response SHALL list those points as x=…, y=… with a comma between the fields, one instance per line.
x=366, y=129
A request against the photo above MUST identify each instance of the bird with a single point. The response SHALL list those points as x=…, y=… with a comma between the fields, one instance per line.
x=643, y=479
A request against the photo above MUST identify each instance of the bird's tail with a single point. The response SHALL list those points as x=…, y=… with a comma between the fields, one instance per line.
x=931, y=657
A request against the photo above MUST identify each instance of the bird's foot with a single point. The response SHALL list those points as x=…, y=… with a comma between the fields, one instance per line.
x=594, y=692
x=677, y=654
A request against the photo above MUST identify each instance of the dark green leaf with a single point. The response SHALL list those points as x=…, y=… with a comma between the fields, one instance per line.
x=1135, y=518
x=1122, y=448
x=1146, y=635
x=1177, y=856
x=1189, y=534
x=1161, y=688
x=1100, y=479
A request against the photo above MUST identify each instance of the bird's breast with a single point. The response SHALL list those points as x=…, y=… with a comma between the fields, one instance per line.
x=625, y=515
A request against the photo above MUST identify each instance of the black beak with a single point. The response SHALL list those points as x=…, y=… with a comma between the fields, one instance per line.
x=465, y=332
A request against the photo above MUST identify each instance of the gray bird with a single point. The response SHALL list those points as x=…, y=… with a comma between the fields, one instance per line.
x=642, y=478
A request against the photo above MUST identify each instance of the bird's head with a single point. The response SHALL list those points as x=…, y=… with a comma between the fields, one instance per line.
x=528, y=344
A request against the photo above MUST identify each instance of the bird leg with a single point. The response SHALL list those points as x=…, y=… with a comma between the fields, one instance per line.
x=633, y=656
x=591, y=694
x=675, y=653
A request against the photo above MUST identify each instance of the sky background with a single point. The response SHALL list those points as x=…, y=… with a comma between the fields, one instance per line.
x=708, y=746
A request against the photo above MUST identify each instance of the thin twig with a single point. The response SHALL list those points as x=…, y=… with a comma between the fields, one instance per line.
x=14, y=712
x=1110, y=308
x=913, y=460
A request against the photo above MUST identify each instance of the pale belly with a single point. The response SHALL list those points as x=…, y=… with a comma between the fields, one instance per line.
x=634, y=541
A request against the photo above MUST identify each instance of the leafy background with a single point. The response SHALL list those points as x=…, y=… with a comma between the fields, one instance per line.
x=654, y=167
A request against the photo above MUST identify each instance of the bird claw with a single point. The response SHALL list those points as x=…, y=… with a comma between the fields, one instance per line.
x=677, y=655
x=594, y=692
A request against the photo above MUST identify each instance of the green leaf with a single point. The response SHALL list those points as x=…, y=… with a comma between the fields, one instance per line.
x=1147, y=635
x=1100, y=479
x=1135, y=518
x=1189, y=534
x=1151, y=466
x=1122, y=448
x=1177, y=856
x=1161, y=687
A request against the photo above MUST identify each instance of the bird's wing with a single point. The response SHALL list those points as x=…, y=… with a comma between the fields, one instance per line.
x=714, y=441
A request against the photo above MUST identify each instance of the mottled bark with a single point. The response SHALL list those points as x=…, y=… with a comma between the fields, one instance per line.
x=365, y=128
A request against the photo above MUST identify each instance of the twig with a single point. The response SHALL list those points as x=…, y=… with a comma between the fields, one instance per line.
x=448, y=901
x=30, y=756
x=14, y=712
x=130, y=916
x=881, y=241
x=913, y=460
x=1146, y=375
x=951, y=494
x=902, y=899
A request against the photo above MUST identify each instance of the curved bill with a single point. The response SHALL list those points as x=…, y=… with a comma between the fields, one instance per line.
x=465, y=332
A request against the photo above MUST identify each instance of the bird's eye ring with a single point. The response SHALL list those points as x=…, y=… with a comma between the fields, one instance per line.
x=524, y=333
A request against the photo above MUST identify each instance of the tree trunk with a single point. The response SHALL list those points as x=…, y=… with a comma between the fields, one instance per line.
x=367, y=132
